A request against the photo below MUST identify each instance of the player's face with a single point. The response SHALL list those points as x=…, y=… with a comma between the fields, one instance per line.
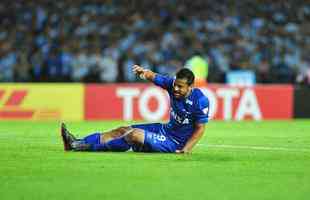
x=181, y=88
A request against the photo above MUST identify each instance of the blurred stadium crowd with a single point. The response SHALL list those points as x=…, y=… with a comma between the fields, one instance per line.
x=99, y=41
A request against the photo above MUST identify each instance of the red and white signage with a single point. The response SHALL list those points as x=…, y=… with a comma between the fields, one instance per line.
x=148, y=102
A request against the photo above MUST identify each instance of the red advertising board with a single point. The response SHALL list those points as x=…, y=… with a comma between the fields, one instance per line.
x=148, y=102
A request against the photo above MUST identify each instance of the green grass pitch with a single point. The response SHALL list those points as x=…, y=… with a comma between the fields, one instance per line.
x=234, y=160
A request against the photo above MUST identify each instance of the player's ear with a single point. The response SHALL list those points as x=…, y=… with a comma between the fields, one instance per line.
x=191, y=86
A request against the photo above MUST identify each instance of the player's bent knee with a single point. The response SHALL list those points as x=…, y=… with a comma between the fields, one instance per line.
x=120, y=131
x=125, y=129
x=135, y=137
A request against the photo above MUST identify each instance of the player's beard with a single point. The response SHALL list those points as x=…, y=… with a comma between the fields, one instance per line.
x=179, y=95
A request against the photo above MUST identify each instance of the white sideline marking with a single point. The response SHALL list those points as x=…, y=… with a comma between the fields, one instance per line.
x=215, y=146
x=225, y=146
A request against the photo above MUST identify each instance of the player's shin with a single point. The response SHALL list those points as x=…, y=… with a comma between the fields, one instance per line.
x=94, y=142
x=89, y=143
x=118, y=144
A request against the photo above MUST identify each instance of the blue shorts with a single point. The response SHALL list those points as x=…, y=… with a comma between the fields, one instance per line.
x=155, y=139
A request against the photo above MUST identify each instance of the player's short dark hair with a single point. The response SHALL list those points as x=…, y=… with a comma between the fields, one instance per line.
x=187, y=74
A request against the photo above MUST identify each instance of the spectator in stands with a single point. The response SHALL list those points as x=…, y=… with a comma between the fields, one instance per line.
x=233, y=35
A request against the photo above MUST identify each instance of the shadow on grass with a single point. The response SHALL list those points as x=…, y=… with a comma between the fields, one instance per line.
x=210, y=156
x=167, y=157
x=152, y=157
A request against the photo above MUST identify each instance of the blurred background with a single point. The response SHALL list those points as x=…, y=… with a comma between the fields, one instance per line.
x=99, y=41
x=259, y=43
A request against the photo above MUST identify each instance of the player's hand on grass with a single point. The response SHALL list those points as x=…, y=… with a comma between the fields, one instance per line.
x=182, y=151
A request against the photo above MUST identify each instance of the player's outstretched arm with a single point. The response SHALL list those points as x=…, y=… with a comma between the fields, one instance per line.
x=198, y=133
x=144, y=74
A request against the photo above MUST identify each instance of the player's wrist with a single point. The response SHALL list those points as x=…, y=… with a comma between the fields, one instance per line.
x=143, y=74
x=146, y=74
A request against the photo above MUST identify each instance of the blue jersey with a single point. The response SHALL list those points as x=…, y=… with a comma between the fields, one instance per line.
x=184, y=112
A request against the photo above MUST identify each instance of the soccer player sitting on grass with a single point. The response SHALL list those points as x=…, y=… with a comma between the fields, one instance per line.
x=188, y=116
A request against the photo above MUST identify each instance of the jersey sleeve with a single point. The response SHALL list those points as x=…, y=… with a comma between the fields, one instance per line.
x=202, y=110
x=164, y=82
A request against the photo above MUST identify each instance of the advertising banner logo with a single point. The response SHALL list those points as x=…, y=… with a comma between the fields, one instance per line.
x=41, y=101
x=151, y=103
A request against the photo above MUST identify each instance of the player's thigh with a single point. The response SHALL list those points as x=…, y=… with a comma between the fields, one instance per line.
x=156, y=142
x=152, y=127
